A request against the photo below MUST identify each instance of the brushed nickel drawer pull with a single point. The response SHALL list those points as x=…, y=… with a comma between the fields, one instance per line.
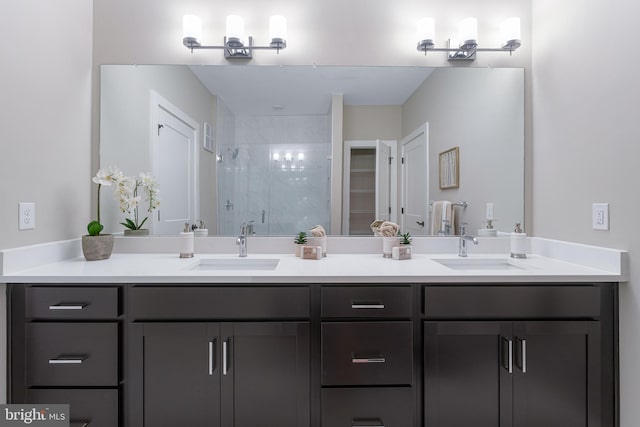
x=367, y=306
x=67, y=360
x=211, y=356
x=80, y=423
x=370, y=422
x=225, y=362
x=67, y=306
x=368, y=359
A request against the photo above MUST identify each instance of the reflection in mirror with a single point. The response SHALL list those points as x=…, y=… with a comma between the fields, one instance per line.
x=274, y=157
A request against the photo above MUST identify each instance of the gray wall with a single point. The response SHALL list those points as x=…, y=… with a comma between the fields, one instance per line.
x=586, y=103
x=371, y=122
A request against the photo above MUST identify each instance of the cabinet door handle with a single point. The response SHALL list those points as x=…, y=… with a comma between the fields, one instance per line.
x=67, y=360
x=523, y=348
x=420, y=223
x=367, y=305
x=212, y=356
x=82, y=423
x=379, y=359
x=67, y=306
x=368, y=422
x=225, y=357
x=509, y=366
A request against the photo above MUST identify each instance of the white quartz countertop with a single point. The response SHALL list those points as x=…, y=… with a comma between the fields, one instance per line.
x=350, y=260
x=339, y=268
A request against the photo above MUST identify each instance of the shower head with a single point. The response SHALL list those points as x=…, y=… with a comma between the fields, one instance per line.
x=234, y=152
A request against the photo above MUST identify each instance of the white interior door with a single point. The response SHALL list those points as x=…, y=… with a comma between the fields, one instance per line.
x=175, y=168
x=383, y=181
x=415, y=182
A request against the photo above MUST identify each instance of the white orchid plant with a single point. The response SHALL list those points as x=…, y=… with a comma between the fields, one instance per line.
x=103, y=177
x=126, y=191
x=130, y=191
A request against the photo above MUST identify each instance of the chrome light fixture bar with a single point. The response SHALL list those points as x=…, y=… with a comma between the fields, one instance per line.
x=234, y=46
x=467, y=47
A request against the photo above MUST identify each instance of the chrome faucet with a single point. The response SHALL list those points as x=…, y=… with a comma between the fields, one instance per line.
x=462, y=243
x=242, y=240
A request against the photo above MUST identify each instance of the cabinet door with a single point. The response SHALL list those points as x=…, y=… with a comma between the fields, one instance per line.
x=181, y=375
x=557, y=379
x=265, y=374
x=467, y=374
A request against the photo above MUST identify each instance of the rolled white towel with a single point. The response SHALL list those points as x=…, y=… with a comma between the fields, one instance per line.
x=318, y=231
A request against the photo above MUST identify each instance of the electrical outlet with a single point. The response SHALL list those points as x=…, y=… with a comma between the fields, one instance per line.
x=27, y=216
x=600, y=216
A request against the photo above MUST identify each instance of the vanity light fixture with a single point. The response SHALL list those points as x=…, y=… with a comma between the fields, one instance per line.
x=465, y=45
x=235, y=45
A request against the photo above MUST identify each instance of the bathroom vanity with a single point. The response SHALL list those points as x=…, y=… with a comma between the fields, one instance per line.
x=369, y=342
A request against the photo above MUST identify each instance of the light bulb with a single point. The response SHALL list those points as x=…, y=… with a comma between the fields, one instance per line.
x=288, y=157
x=191, y=30
x=468, y=33
x=300, y=156
x=278, y=31
x=510, y=33
x=426, y=33
x=235, y=29
x=276, y=157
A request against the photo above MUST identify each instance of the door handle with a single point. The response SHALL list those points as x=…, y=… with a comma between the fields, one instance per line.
x=509, y=357
x=358, y=305
x=365, y=359
x=367, y=422
x=212, y=367
x=225, y=357
x=420, y=223
x=78, y=306
x=523, y=355
x=67, y=360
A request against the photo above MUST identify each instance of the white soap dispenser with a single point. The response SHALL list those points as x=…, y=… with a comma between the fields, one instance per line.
x=518, y=242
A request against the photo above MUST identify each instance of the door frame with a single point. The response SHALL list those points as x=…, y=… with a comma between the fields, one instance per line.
x=422, y=130
x=346, y=177
x=158, y=102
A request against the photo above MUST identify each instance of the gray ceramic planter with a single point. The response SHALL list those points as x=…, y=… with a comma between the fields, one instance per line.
x=98, y=247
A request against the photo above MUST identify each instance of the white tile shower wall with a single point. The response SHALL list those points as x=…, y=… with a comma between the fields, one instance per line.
x=280, y=196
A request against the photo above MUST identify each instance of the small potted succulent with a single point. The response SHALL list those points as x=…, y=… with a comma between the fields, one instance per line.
x=405, y=239
x=299, y=241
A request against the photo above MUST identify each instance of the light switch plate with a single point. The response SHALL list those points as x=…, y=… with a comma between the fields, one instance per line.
x=600, y=216
x=27, y=216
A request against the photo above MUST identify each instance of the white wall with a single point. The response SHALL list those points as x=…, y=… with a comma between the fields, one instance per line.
x=125, y=127
x=45, y=118
x=586, y=105
x=482, y=112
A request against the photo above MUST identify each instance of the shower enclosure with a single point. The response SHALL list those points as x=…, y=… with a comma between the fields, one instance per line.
x=271, y=182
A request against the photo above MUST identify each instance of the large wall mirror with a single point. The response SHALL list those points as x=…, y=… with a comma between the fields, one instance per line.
x=257, y=144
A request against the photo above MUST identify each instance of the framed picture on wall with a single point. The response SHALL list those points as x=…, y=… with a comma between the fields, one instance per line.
x=449, y=168
x=209, y=141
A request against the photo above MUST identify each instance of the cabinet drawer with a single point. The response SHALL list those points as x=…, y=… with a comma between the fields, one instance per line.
x=366, y=301
x=72, y=354
x=239, y=302
x=91, y=408
x=370, y=407
x=367, y=353
x=511, y=302
x=71, y=303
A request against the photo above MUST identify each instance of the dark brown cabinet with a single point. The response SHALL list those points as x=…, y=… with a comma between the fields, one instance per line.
x=520, y=373
x=213, y=373
x=223, y=374
x=65, y=347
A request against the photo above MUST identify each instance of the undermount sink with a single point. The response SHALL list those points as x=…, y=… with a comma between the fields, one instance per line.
x=242, y=264
x=479, y=264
